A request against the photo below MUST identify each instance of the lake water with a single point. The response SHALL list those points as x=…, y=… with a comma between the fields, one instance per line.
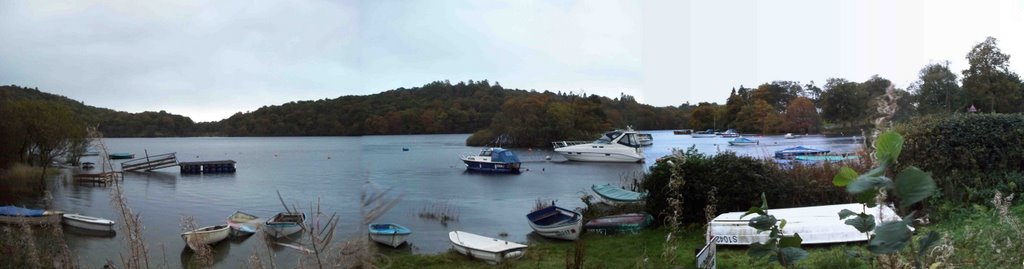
x=335, y=171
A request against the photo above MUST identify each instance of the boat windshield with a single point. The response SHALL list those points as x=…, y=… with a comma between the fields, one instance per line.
x=630, y=140
x=607, y=138
x=486, y=152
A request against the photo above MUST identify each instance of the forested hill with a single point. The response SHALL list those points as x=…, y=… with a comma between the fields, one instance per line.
x=525, y=118
x=111, y=123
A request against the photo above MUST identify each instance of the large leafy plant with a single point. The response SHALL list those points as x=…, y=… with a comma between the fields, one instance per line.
x=909, y=186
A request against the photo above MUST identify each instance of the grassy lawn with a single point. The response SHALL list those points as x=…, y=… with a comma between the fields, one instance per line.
x=981, y=238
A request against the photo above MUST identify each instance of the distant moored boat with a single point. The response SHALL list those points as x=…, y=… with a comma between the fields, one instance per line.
x=121, y=155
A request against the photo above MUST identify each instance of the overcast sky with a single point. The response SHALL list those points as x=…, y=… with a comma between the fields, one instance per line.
x=210, y=59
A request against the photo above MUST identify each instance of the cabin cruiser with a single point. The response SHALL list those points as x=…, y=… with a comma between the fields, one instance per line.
x=614, y=146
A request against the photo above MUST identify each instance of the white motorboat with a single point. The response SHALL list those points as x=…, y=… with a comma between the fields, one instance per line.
x=815, y=224
x=645, y=139
x=614, y=146
x=730, y=133
x=88, y=223
x=284, y=224
x=709, y=133
x=205, y=236
x=485, y=248
x=556, y=222
x=791, y=136
x=743, y=141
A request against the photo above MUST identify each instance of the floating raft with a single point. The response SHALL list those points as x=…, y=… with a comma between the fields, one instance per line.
x=221, y=166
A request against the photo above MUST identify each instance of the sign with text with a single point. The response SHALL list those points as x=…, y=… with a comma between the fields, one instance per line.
x=706, y=257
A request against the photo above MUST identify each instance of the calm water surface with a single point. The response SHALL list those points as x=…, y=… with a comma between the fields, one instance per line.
x=335, y=170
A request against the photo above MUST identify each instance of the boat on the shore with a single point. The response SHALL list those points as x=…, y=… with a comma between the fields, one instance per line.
x=18, y=215
x=88, y=223
x=121, y=155
x=390, y=234
x=789, y=153
x=614, y=146
x=496, y=160
x=205, y=236
x=615, y=195
x=284, y=224
x=556, y=222
x=625, y=223
x=485, y=248
x=815, y=224
x=242, y=223
x=743, y=141
x=709, y=133
x=645, y=139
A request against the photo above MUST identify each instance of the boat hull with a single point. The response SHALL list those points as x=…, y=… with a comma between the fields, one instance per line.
x=278, y=227
x=815, y=224
x=88, y=223
x=582, y=154
x=731, y=143
x=391, y=240
x=389, y=234
x=703, y=135
x=625, y=223
x=555, y=222
x=471, y=245
x=492, y=167
x=570, y=231
x=242, y=223
x=40, y=220
x=206, y=236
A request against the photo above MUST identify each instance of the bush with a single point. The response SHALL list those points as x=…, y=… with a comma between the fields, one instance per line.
x=739, y=180
x=970, y=155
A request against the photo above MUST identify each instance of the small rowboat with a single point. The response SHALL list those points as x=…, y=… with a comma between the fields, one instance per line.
x=284, y=224
x=18, y=215
x=121, y=155
x=205, y=236
x=614, y=195
x=242, y=223
x=389, y=233
x=485, y=248
x=625, y=223
x=556, y=222
x=815, y=224
x=789, y=153
x=88, y=223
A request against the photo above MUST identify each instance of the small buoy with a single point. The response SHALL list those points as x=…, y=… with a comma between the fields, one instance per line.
x=542, y=169
x=328, y=157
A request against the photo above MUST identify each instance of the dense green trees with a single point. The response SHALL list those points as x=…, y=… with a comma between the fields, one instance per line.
x=937, y=90
x=38, y=132
x=990, y=84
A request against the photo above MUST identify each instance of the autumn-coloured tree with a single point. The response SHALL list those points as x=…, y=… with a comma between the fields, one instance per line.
x=801, y=116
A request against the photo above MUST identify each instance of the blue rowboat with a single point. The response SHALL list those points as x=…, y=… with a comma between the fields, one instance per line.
x=390, y=234
x=556, y=222
x=615, y=195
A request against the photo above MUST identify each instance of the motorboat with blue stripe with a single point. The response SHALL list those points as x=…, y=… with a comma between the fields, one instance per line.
x=497, y=160
x=614, y=146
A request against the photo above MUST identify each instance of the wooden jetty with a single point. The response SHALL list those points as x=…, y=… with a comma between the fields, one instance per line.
x=220, y=166
x=97, y=178
x=150, y=163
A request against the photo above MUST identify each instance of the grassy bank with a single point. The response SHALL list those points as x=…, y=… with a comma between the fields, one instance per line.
x=979, y=237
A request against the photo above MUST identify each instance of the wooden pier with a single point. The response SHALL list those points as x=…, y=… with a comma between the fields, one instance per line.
x=221, y=166
x=150, y=163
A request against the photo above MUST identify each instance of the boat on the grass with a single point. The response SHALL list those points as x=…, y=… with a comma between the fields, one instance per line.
x=730, y=133
x=121, y=155
x=791, y=136
x=827, y=158
x=615, y=195
x=497, y=160
x=556, y=222
x=88, y=165
x=789, y=153
x=242, y=223
x=709, y=133
x=389, y=234
x=205, y=236
x=284, y=224
x=614, y=146
x=645, y=139
x=18, y=215
x=815, y=224
x=88, y=223
x=485, y=248
x=625, y=223
x=743, y=141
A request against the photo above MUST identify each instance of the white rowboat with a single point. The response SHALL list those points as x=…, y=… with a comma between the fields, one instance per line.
x=88, y=223
x=815, y=224
x=485, y=248
x=205, y=236
x=284, y=224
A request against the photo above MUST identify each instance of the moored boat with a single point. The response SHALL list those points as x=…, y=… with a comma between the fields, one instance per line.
x=205, y=236
x=625, y=223
x=815, y=224
x=485, y=248
x=556, y=222
x=18, y=215
x=790, y=136
x=682, y=132
x=827, y=158
x=645, y=139
x=390, y=234
x=614, y=146
x=615, y=195
x=743, y=141
x=284, y=224
x=730, y=133
x=497, y=160
x=789, y=153
x=88, y=165
x=88, y=223
x=121, y=155
x=709, y=133
x=242, y=223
